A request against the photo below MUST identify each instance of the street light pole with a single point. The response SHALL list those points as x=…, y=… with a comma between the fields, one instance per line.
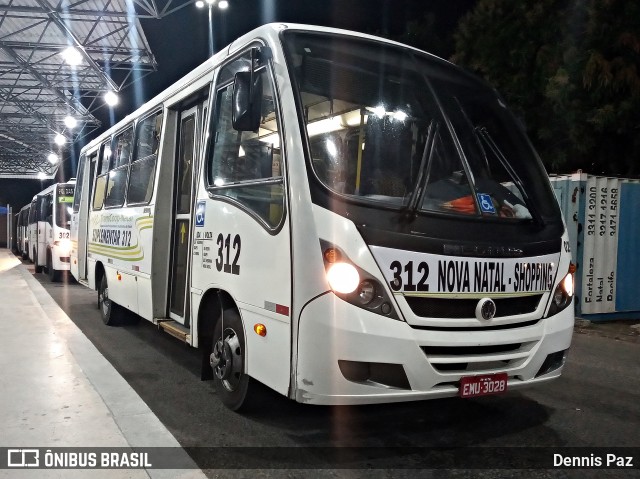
x=210, y=30
x=222, y=5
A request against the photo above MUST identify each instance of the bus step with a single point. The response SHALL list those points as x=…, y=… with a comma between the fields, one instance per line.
x=175, y=329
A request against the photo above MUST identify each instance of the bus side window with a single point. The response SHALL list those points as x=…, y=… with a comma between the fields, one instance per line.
x=101, y=178
x=33, y=212
x=78, y=190
x=247, y=166
x=143, y=168
x=42, y=208
x=48, y=210
x=117, y=182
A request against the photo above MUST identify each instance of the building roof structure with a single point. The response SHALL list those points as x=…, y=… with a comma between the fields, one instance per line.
x=39, y=89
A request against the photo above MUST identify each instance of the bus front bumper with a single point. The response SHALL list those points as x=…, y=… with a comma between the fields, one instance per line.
x=61, y=259
x=347, y=355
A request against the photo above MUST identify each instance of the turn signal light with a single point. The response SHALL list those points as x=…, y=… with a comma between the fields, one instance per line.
x=119, y=276
x=332, y=255
x=260, y=329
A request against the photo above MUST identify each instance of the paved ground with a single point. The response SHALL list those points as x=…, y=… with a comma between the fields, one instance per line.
x=620, y=330
x=596, y=403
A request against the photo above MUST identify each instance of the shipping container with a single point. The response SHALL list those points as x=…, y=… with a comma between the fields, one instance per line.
x=601, y=213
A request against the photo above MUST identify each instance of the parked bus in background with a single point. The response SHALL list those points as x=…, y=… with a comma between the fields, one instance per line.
x=48, y=229
x=22, y=223
x=341, y=217
x=32, y=231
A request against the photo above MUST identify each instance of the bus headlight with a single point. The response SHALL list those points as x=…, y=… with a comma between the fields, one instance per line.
x=366, y=292
x=562, y=295
x=343, y=278
x=567, y=284
x=355, y=285
x=64, y=245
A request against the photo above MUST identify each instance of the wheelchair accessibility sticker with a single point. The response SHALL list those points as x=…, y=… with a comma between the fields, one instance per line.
x=486, y=204
x=200, y=211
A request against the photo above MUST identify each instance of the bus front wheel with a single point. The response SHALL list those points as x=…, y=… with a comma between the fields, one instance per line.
x=54, y=275
x=38, y=268
x=227, y=359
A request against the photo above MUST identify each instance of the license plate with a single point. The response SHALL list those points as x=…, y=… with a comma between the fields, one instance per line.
x=472, y=386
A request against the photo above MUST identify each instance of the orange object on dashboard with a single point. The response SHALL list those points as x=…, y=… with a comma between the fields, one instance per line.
x=466, y=204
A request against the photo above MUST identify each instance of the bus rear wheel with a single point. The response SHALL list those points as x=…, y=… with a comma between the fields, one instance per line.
x=109, y=311
x=227, y=359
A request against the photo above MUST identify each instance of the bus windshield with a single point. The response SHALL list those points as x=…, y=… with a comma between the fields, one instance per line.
x=64, y=205
x=397, y=127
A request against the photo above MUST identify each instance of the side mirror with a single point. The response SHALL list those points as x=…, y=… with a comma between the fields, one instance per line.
x=247, y=101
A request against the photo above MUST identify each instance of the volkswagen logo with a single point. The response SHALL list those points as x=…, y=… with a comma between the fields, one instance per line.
x=486, y=309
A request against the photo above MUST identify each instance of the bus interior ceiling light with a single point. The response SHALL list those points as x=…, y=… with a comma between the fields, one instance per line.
x=72, y=56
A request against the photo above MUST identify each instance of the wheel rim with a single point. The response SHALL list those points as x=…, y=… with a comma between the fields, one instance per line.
x=228, y=354
x=104, y=300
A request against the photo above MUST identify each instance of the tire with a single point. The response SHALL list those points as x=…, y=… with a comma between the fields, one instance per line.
x=54, y=275
x=38, y=268
x=234, y=386
x=109, y=311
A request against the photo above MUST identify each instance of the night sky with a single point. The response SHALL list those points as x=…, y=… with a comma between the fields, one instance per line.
x=180, y=43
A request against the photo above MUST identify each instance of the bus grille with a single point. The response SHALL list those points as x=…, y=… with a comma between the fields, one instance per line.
x=489, y=358
x=466, y=308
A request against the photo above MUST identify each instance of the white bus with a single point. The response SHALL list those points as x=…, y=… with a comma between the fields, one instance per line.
x=49, y=244
x=22, y=224
x=340, y=217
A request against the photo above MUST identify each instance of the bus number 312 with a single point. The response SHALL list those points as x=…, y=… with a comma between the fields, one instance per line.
x=409, y=285
x=224, y=247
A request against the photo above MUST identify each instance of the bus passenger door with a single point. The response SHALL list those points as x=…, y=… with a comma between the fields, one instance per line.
x=83, y=221
x=44, y=210
x=187, y=149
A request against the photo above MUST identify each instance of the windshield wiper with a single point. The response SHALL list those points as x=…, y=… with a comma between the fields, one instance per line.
x=419, y=185
x=486, y=136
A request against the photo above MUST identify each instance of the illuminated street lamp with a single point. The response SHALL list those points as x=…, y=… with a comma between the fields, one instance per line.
x=72, y=56
x=110, y=98
x=70, y=122
x=59, y=139
x=222, y=5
